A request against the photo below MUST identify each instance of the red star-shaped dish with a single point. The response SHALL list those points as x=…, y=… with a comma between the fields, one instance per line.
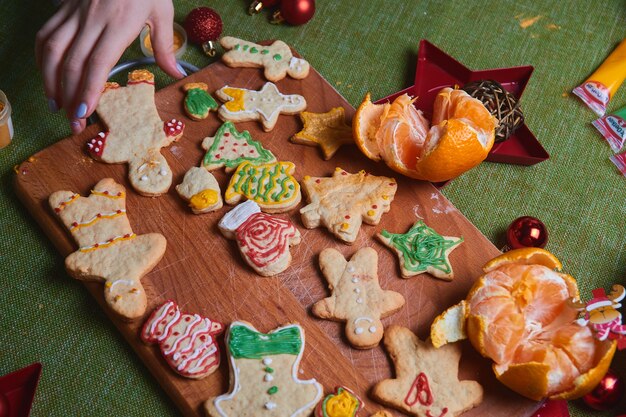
x=436, y=70
x=17, y=391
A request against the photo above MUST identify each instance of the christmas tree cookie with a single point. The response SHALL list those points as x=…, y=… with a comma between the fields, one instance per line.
x=229, y=148
x=198, y=101
x=264, y=375
x=421, y=249
x=344, y=201
x=272, y=186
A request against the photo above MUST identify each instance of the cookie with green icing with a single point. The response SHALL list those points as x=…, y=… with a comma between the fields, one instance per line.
x=198, y=101
x=421, y=250
x=229, y=148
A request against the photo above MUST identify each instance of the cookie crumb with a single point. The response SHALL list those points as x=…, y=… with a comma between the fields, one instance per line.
x=529, y=21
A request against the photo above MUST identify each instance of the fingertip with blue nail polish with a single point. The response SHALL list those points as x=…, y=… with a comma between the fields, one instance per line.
x=81, y=111
x=52, y=105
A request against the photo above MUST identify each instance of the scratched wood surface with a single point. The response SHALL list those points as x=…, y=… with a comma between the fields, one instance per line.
x=205, y=274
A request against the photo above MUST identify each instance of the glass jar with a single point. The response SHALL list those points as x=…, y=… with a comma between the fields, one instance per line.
x=6, y=125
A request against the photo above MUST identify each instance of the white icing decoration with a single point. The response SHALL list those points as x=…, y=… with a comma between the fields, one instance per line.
x=169, y=326
x=357, y=290
x=163, y=172
x=101, y=134
x=351, y=268
x=355, y=280
x=97, y=150
x=267, y=361
x=268, y=378
x=294, y=374
x=358, y=330
x=359, y=300
x=196, y=319
x=109, y=214
x=270, y=405
x=237, y=216
x=144, y=178
x=372, y=329
x=113, y=239
x=156, y=321
x=122, y=281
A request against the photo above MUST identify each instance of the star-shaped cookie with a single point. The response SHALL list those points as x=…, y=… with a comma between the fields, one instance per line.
x=427, y=382
x=421, y=249
x=327, y=130
x=342, y=202
x=357, y=297
x=242, y=105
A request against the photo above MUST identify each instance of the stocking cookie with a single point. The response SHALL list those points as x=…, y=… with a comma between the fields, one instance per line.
x=327, y=130
x=427, y=382
x=272, y=186
x=421, y=249
x=198, y=101
x=135, y=133
x=108, y=250
x=341, y=203
x=265, y=105
x=229, y=148
x=263, y=239
x=276, y=58
x=356, y=296
x=264, y=371
x=201, y=190
x=343, y=403
x=186, y=340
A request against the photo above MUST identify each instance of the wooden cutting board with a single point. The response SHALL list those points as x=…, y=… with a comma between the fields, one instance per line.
x=204, y=273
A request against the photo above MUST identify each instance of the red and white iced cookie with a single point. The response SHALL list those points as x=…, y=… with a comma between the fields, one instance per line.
x=186, y=341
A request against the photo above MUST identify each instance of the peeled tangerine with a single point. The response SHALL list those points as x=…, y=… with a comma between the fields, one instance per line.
x=517, y=314
x=460, y=138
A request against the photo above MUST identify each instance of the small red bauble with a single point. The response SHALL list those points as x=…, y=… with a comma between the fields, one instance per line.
x=297, y=12
x=607, y=394
x=526, y=232
x=203, y=24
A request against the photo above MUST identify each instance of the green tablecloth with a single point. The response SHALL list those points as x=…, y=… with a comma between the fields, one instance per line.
x=358, y=46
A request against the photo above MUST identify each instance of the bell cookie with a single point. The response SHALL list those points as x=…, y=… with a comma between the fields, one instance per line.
x=344, y=201
x=426, y=382
x=135, y=133
x=187, y=341
x=327, y=130
x=108, y=250
x=198, y=101
x=342, y=403
x=276, y=59
x=264, y=105
x=201, y=190
x=264, y=374
x=264, y=240
x=357, y=297
x=421, y=249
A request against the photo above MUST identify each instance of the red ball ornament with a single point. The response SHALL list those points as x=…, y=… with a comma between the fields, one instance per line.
x=607, y=394
x=526, y=232
x=204, y=26
x=297, y=12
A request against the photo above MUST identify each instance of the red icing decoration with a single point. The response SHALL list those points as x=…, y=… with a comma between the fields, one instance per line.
x=443, y=413
x=173, y=127
x=264, y=239
x=96, y=145
x=193, y=339
x=418, y=390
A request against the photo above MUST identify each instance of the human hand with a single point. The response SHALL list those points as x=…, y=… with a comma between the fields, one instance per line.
x=76, y=49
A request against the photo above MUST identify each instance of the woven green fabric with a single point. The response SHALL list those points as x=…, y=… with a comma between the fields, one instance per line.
x=358, y=46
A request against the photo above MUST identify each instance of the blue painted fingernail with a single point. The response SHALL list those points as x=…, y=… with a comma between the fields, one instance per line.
x=181, y=69
x=52, y=105
x=75, y=126
x=81, y=111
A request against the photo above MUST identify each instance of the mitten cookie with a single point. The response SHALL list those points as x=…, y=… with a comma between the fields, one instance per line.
x=356, y=296
x=229, y=148
x=186, y=340
x=265, y=105
x=276, y=59
x=198, y=101
x=108, y=250
x=342, y=202
x=264, y=375
x=421, y=249
x=272, y=186
x=201, y=190
x=427, y=382
x=135, y=133
x=263, y=239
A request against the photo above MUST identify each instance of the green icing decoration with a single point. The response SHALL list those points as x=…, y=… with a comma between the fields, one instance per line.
x=277, y=57
x=236, y=48
x=264, y=183
x=244, y=342
x=265, y=52
x=245, y=47
x=243, y=142
x=273, y=390
x=199, y=102
x=253, y=50
x=422, y=247
x=269, y=370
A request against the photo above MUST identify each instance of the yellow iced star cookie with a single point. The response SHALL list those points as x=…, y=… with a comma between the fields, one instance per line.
x=327, y=130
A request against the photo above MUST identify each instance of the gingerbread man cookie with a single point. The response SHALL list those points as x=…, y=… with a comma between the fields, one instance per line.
x=277, y=58
x=265, y=105
x=341, y=203
x=427, y=382
x=108, y=250
x=264, y=375
x=201, y=190
x=272, y=186
x=198, y=101
x=135, y=133
x=356, y=296
x=263, y=239
x=186, y=340
x=229, y=148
